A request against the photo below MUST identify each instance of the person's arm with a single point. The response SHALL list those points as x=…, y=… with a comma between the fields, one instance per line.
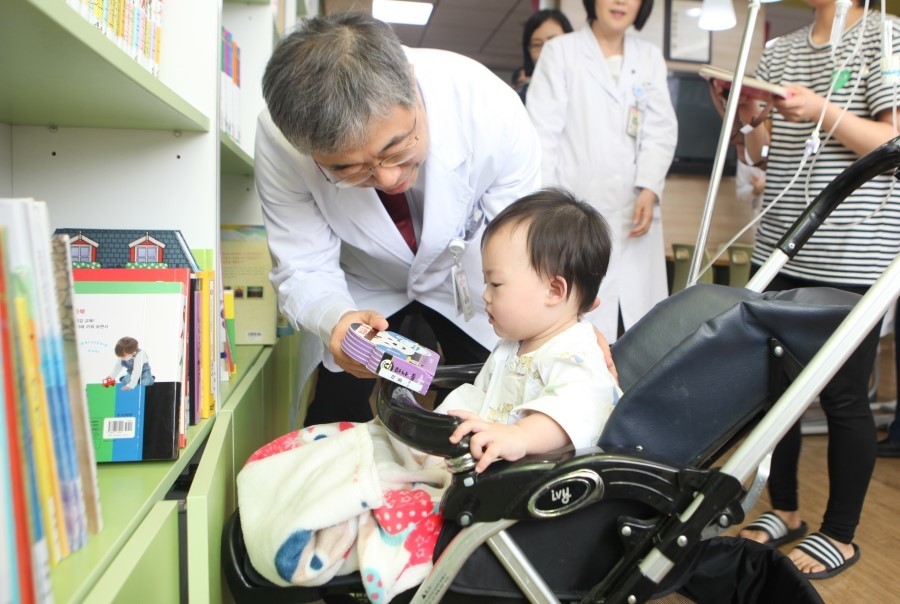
x=658, y=137
x=571, y=409
x=116, y=370
x=306, y=273
x=535, y=433
x=547, y=104
x=134, y=378
x=859, y=134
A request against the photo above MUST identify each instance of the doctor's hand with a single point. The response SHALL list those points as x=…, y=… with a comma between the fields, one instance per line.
x=643, y=213
x=351, y=366
x=604, y=346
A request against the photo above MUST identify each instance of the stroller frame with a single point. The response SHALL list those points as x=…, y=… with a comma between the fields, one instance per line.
x=692, y=503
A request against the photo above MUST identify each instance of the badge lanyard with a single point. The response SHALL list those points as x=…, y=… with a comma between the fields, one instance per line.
x=461, y=297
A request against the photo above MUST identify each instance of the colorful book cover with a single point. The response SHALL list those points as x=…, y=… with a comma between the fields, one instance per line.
x=184, y=276
x=128, y=248
x=130, y=339
x=246, y=264
x=391, y=356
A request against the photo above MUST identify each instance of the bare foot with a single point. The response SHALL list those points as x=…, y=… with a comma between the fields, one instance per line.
x=791, y=519
x=807, y=565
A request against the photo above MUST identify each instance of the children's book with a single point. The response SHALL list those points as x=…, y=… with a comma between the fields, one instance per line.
x=209, y=353
x=129, y=248
x=183, y=276
x=18, y=536
x=81, y=426
x=750, y=86
x=131, y=349
x=246, y=264
x=391, y=356
x=49, y=332
x=33, y=354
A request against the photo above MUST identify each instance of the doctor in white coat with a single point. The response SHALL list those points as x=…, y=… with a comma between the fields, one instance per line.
x=353, y=115
x=601, y=106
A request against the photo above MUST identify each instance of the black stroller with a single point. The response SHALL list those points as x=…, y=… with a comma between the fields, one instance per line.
x=636, y=517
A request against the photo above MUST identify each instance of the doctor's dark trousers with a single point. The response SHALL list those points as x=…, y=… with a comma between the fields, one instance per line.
x=342, y=397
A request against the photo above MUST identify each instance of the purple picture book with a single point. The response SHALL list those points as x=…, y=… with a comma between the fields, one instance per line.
x=391, y=356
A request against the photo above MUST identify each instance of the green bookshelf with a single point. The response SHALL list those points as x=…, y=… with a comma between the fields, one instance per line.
x=58, y=70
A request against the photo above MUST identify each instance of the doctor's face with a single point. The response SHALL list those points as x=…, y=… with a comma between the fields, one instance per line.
x=615, y=16
x=389, y=160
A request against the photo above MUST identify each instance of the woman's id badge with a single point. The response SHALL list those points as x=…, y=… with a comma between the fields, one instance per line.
x=635, y=118
x=461, y=297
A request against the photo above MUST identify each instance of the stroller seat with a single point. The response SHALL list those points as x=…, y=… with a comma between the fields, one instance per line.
x=697, y=372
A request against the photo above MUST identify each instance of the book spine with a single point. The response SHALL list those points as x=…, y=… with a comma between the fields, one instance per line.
x=80, y=420
x=207, y=344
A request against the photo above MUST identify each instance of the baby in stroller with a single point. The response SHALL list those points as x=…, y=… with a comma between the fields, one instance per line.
x=329, y=500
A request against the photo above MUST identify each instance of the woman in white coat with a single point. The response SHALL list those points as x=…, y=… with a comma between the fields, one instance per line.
x=600, y=103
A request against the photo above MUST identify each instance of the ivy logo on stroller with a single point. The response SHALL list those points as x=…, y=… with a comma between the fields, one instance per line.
x=565, y=494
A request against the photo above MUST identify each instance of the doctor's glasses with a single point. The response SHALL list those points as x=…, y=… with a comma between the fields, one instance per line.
x=359, y=177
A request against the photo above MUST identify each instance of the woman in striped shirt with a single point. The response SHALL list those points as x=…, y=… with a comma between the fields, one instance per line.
x=849, y=251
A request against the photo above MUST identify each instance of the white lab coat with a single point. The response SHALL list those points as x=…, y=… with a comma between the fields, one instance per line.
x=336, y=250
x=581, y=115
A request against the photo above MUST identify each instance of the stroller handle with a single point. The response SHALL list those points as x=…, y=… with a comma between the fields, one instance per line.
x=418, y=427
x=881, y=160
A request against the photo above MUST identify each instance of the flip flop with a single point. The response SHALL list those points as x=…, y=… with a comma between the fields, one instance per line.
x=771, y=524
x=820, y=548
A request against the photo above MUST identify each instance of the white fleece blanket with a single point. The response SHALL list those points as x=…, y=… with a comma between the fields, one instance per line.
x=335, y=498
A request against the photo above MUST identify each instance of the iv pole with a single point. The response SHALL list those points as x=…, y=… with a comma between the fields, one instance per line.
x=724, y=136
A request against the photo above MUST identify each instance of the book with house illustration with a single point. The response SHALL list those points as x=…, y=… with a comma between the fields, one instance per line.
x=132, y=353
x=129, y=248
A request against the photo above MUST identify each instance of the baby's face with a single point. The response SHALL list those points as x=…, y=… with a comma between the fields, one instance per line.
x=128, y=356
x=514, y=293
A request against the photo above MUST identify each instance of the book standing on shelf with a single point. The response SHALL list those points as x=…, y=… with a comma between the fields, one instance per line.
x=81, y=427
x=246, y=264
x=131, y=347
x=208, y=353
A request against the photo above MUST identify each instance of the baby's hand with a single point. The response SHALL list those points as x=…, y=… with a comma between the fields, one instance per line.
x=489, y=441
x=126, y=387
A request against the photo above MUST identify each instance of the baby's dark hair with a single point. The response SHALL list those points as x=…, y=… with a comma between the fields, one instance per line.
x=566, y=237
x=125, y=346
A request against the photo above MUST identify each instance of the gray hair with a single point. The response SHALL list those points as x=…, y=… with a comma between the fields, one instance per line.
x=328, y=80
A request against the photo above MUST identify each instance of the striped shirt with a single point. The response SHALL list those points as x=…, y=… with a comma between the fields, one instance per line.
x=862, y=236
